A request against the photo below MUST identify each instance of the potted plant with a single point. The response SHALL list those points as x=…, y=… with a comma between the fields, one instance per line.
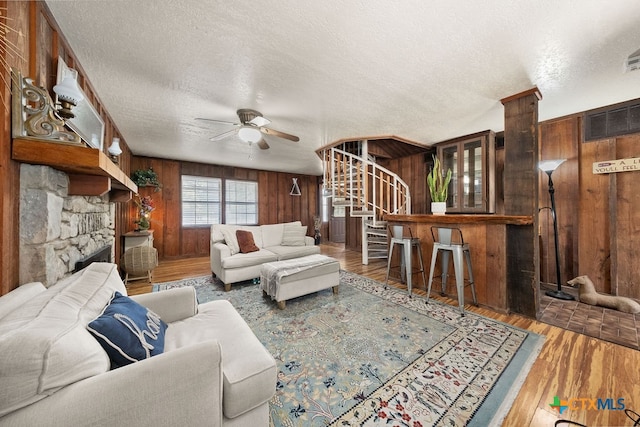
x=145, y=206
x=146, y=178
x=438, y=187
x=317, y=223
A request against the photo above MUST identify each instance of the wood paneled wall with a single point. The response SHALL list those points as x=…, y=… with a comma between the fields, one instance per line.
x=598, y=215
x=413, y=170
x=275, y=205
x=38, y=43
x=559, y=139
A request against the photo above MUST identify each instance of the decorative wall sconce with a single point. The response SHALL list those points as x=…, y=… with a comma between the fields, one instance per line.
x=34, y=115
x=69, y=95
x=115, y=150
x=295, y=189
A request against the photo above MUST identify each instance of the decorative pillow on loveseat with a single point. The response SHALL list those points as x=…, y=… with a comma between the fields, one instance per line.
x=128, y=331
x=246, y=242
x=293, y=235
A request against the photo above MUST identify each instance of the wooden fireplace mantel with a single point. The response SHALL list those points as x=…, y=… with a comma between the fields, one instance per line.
x=90, y=171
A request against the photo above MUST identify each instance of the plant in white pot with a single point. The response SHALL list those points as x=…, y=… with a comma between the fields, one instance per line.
x=438, y=187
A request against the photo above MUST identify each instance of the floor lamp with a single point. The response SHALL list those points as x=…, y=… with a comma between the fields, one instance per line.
x=549, y=166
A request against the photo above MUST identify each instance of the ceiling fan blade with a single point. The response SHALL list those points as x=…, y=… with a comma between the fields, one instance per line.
x=259, y=121
x=223, y=135
x=263, y=144
x=279, y=134
x=218, y=121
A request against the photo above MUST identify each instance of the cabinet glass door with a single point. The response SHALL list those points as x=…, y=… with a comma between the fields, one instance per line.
x=472, y=175
x=450, y=161
x=471, y=160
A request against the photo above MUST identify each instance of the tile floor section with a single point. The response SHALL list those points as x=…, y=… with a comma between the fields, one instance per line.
x=606, y=324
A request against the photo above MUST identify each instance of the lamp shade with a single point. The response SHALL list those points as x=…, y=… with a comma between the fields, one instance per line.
x=249, y=134
x=115, y=149
x=550, y=165
x=68, y=90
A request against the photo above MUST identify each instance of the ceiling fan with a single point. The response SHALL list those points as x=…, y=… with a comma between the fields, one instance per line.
x=250, y=129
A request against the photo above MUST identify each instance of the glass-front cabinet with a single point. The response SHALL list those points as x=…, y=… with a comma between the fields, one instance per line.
x=472, y=162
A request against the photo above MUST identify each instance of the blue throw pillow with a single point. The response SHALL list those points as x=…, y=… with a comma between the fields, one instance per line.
x=128, y=331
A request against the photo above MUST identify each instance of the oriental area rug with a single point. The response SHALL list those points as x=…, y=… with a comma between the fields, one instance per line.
x=370, y=356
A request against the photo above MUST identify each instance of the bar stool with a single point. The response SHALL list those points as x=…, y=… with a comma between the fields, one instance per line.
x=450, y=241
x=407, y=243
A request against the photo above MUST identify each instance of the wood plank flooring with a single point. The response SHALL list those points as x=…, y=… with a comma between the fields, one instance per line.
x=576, y=368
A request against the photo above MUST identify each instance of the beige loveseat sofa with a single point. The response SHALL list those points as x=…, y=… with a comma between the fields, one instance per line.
x=274, y=242
x=53, y=371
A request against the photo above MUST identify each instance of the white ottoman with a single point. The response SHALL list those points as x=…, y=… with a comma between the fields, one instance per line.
x=283, y=280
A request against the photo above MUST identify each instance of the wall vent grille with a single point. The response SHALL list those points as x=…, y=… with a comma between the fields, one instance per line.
x=632, y=63
x=614, y=120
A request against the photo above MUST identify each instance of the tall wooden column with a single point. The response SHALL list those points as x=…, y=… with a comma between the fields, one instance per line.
x=521, y=198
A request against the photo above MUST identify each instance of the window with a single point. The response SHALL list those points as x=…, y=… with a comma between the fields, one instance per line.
x=241, y=202
x=201, y=198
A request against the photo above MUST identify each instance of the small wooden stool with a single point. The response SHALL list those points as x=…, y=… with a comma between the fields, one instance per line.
x=139, y=262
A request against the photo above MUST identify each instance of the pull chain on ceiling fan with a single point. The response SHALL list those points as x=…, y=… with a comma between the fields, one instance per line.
x=251, y=128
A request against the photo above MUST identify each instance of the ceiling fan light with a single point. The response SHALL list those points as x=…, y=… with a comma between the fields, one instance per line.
x=249, y=134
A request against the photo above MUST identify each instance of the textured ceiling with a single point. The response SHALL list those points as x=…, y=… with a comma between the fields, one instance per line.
x=329, y=70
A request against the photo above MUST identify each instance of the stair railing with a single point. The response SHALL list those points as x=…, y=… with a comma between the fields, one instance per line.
x=367, y=188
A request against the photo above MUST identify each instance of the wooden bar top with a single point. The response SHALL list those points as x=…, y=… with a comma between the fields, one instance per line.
x=462, y=219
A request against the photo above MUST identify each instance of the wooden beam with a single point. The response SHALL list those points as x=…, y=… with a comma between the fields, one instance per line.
x=89, y=185
x=521, y=198
x=533, y=91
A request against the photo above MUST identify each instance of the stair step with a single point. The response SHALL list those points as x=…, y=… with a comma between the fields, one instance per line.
x=362, y=213
x=377, y=256
x=378, y=243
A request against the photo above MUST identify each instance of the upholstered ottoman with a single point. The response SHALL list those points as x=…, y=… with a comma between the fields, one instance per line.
x=284, y=280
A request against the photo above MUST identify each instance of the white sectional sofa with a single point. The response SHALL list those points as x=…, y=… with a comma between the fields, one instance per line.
x=54, y=371
x=274, y=242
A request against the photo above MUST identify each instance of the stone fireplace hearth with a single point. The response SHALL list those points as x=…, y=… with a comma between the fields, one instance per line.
x=57, y=230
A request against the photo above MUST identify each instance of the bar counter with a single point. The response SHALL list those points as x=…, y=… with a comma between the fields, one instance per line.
x=486, y=235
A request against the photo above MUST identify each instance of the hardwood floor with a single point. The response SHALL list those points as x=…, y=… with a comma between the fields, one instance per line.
x=577, y=368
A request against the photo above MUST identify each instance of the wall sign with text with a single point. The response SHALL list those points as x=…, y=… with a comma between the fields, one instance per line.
x=621, y=165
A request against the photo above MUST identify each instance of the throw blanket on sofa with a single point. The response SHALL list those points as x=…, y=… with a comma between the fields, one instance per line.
x=272, y=272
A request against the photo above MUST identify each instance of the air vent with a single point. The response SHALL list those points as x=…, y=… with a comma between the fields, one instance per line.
x=614, y=120
x=633, y=61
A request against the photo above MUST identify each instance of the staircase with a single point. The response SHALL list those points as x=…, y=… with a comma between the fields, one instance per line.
x=370, y=191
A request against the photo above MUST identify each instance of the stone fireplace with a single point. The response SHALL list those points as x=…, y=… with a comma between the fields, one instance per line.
x=58, y=230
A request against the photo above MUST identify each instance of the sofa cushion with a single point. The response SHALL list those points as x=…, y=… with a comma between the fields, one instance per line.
x=216, y=233
x=289, y=252
x=272, y=233
x=17, y=297
x=249, y=370
x=45, y=344
x=247, y=260
x=231, y=240
x=293, y=235
x=246, y=242
x=128, y=331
